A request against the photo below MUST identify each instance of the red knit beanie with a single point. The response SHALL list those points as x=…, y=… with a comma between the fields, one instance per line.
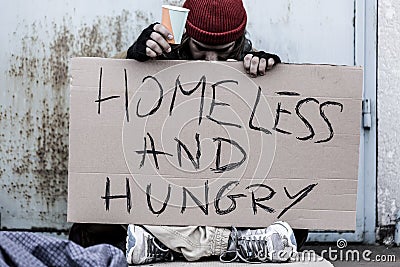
x=215, y=22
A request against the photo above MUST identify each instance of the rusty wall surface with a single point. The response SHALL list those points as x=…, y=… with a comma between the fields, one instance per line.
x=40, y=36
x=34, y=98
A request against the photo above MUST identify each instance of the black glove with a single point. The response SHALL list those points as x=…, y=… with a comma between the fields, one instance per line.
x=138, y=49
x=262, y=54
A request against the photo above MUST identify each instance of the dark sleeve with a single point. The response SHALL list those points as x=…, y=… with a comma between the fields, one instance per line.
x=138, y=49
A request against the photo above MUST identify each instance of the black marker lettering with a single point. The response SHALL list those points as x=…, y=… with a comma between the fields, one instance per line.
x=287, y=93
x=204, y=207
x=107, y=196
x=229, y=166
x=99, y=95
x=279, y=110
x=215, y=103
x=181, y=145
x=219, y=195
x=144, y=153
x=164, y=206
x=255, y=201
x=202, y=82
x=153, y=151
x=160, y=99
x=321, y=111
x=302, y=194
x=251, y=125
x=99, y=99
x=126, y=97
x=305, y=121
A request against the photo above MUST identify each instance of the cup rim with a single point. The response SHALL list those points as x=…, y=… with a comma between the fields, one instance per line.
x=176, y=8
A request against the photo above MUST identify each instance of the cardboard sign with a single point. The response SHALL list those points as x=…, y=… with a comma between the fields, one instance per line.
x=202, y=143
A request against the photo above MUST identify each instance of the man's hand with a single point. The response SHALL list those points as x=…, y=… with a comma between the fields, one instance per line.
x=151, y=43
x=157, y=42
x=258, y=63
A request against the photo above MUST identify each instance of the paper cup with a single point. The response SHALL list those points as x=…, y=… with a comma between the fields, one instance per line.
x=174, y=19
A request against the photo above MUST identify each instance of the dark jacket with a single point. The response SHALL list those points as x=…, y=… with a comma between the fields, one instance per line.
x=137, y=51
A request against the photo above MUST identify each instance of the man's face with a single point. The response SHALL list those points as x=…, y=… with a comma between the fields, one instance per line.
x=210, y=52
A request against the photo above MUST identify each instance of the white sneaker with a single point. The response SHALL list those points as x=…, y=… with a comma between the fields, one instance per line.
x=275, y=243
x=142, y=247
x=282, y=243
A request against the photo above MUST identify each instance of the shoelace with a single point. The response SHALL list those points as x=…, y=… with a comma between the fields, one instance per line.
x=156, y=252
x=255, y=248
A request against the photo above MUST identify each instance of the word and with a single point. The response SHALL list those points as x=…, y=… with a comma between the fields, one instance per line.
x=196, y=162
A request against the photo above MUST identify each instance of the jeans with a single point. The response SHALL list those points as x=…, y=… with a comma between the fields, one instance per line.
x=194, y=242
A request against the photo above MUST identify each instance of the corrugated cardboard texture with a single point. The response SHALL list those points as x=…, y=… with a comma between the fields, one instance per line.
x=201, y=143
